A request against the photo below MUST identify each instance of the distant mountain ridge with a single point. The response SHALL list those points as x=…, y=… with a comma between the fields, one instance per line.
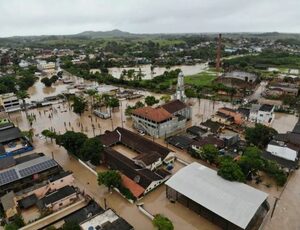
x=98, y=34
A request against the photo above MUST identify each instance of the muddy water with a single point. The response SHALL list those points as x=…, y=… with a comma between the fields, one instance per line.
x=284, y=122
x=156, y=201
x=146, y=70
x=61, y=118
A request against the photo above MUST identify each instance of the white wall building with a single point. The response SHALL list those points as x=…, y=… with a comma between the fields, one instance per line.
x=10, y=102
x=280, y=149
x=263, y=114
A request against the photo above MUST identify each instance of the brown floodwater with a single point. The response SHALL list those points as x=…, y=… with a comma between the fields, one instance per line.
x=146, y=70
x=61, y=118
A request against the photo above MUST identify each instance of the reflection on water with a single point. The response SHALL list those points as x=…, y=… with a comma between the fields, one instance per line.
x=146, y=70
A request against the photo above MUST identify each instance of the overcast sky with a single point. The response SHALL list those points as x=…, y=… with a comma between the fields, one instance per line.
x=37, y=17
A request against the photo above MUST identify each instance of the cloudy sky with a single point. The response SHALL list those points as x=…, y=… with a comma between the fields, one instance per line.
x=36, y=17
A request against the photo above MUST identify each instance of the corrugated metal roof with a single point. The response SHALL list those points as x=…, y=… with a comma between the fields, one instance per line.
x=234, y=201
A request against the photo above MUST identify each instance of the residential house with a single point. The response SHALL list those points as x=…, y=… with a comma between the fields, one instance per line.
x=263, y=114
x=27, y=173
x=222, y=118
x=59, y=198
x=237, y=116
x=107, y=220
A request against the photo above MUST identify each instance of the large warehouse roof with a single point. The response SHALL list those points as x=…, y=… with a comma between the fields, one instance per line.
x=235, y=202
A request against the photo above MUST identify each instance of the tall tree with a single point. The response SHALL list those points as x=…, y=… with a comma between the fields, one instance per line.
x=110, y=179
x=151, y=100
x=72, y=141
x=79, y=105
x=92, y=150
x=260, y=135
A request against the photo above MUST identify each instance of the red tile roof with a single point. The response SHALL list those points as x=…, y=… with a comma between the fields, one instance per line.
x=154, y=114
x=134, y=188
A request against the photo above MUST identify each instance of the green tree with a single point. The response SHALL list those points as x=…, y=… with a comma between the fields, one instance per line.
x=54, y=78
x=251, y=161
x=92, y=150
x=72, y=141
x=47, y=81
x=161, y=222
x=210, y=153
x=110, y=179
x=92, y=93
x=79, y=105
x=231, y=171
x=29, y=134
x=260, y=135
x=71, y=225
x=49, y=134
x=151, y=100
x=11, y=226
x=19, y=221
x=165, y=98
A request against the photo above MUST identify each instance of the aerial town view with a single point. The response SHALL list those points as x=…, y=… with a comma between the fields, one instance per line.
x=149, y=115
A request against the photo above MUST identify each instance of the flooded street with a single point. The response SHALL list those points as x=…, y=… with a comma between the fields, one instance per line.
x=146, y=70
x=61, y=118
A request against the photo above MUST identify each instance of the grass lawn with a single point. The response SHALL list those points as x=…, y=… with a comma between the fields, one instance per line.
x=200, y=79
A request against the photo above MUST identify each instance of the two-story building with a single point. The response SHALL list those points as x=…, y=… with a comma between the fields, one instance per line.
x=163, y=120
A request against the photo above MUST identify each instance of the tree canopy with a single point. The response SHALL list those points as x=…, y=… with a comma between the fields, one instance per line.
x=110, y=179
x=231, y=171
x=72, y=141
x=260, y=135
x=79, y=105
x=161, y=222
x=92, y=150
x=151, y=100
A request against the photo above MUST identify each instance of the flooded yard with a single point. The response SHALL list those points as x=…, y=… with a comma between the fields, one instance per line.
x=61, y=118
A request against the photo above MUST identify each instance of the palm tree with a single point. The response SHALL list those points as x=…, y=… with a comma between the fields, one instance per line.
x=22, y=95
x=92, y=93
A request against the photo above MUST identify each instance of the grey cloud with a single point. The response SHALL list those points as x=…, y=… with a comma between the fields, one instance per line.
x=34, y=17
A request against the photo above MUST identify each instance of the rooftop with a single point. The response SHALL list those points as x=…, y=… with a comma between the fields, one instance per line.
x=84, y=213
x=281, y=161
x=134, y=188
x=58, y=195
x=107, y=220
x=158, y=114
x=26, y=169
x=10, y=134
x=266, y=108
x=234, y=201
x=174, y=106
x=8, y=201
